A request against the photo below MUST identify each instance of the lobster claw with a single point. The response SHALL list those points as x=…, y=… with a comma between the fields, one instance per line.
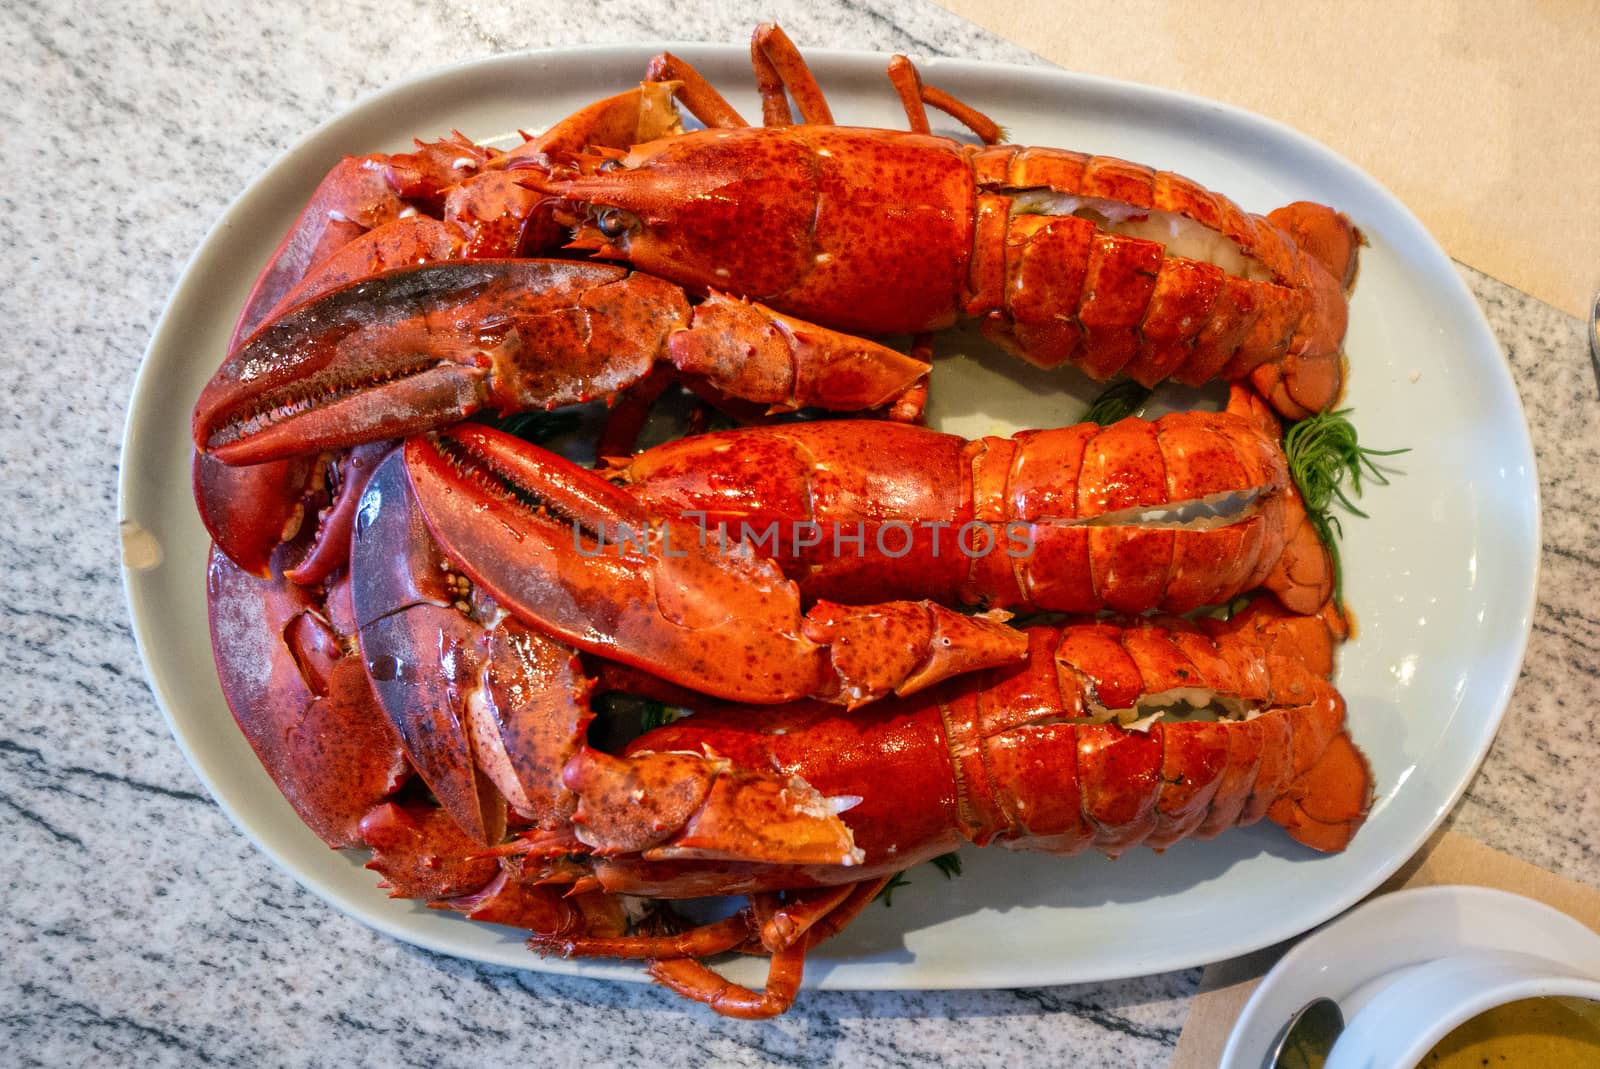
x=363, y=196
x=568, y=552
x=376, y=359
x=424, y=347
x=488, y=714
x=353, y=198
x=249, y=511
x=684, y=806
x=304, y=706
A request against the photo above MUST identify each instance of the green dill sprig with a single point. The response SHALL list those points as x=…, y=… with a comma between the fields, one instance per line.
x=621, y=718
x=886, y=896
x=1118, y=401
x=1323, y=452
x=949, y=864
x=654, y=714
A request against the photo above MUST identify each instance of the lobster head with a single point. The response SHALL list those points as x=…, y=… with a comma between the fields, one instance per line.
x=712, y=209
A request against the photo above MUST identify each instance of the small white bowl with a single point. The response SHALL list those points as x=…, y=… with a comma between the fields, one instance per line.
x=1481, y=948
x=1415, y=1007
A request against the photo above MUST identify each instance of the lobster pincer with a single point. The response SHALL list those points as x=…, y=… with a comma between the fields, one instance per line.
x=566, y=551
x=423, y=347
x=488, y=709
x=301, y=698
x=449, y=199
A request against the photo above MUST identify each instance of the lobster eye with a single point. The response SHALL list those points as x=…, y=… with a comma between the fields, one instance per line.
x=613, y=222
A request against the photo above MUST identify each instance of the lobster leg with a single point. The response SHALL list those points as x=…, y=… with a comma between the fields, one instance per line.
x=694, y=980
x=788, y=931
x=781, y=924
x=691, y=89
x=780, y=68
x=796, y=924
x=917, y=97
x=862, y=894
x=703, y=941
x=675, y=963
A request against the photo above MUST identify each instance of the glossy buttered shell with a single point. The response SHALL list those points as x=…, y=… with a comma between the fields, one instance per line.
x=1093, y=499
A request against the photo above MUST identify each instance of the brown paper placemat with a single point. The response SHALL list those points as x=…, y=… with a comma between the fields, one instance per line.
x=1447, y=859
x=1483, y=117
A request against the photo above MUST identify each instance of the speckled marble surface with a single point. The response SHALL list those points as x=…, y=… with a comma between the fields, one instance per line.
x=139, y=927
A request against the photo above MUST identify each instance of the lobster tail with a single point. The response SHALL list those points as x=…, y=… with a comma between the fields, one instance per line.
x=1310, y=377
x=1105, y=740
x=1118, y=268
x=1324, y=805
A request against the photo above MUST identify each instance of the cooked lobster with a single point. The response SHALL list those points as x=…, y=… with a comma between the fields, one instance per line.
x=417, y=634
x=412, y=663
x=1064, y=257
x=1173, y=514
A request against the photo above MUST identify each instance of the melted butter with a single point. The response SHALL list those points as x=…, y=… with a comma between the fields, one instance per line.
x=1536, y=1032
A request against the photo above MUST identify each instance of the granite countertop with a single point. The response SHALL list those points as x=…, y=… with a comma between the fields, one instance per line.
x=139, y=925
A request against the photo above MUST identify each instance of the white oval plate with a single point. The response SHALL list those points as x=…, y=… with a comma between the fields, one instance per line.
x=1344, y=960
x=1442, y=575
